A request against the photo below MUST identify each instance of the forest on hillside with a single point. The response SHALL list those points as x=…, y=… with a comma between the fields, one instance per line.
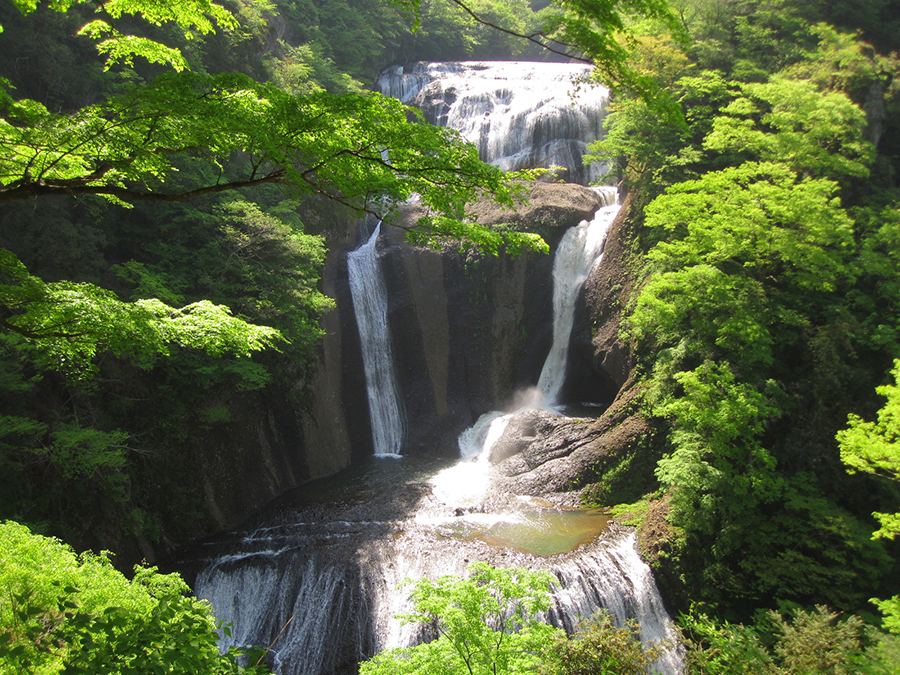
x=170, y=176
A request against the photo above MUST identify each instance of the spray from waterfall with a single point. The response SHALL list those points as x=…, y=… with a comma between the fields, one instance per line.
x=370, y=303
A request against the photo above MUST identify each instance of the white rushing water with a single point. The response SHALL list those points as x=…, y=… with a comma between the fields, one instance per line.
x=320, y=602
x=579, y=250
x=518, y=114
x=370, y=304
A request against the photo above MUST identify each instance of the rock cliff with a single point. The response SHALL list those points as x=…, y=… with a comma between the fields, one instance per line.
x=470, y=331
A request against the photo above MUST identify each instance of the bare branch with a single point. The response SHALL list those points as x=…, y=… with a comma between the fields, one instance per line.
x=44, y=189
x=541, y=40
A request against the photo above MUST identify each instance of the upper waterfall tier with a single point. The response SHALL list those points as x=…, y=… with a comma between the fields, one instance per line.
x=520, y=115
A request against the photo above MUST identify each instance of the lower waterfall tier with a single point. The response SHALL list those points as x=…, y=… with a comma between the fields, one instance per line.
x=325, y=577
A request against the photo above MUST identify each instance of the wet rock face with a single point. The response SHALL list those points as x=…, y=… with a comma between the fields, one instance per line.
x=468, y=330
x=540, y=453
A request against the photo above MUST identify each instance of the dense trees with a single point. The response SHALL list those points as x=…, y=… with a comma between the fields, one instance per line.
x=83, y=431
x=769, y=310
x=764, y=312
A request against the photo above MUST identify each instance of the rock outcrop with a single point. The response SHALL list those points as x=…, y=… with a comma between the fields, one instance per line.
x=469, y=330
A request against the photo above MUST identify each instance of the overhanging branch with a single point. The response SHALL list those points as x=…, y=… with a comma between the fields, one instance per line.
x=541, y=40
x=45, y=189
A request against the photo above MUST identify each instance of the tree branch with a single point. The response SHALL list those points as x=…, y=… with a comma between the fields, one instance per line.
x=541, y=41
x=45, y=189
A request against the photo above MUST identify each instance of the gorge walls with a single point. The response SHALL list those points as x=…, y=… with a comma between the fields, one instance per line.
x=468, y=330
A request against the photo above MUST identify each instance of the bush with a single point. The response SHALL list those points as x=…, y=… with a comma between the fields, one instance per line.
x=67, y=613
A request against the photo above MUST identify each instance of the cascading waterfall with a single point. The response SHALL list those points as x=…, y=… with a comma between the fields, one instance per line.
x=319, y=581
x=519, y=114
x=328, y=584
x=370, y=308
x=580, y=248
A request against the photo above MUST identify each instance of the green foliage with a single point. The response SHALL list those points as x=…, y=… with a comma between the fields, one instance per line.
x=815, y=642
x=599, y=647
x=357, y=149
x=193, y=17
x=446, y=31
x=76, y=614
x=754, y=301
x=485, y=624
x=652, y=154
x=748, y=39
x=69, y=322
x=793, y=121
x=603, y=32
x=873, y=447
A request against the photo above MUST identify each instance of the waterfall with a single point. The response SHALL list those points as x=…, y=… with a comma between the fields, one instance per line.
x=319, y=580
x=518, y=114
x=329, y=584
x=580, y=248
x=370, y=304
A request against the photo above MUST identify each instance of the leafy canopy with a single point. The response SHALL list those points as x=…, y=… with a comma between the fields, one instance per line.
x=485, y=623
x=358, y=149
x=69, y=322
x=192, y=17
x=808, y=642
x=186, y=134
x=874, y=447
x=750, y=254
x=62, y=612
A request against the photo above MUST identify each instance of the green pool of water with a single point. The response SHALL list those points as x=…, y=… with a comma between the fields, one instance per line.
x=541, y=531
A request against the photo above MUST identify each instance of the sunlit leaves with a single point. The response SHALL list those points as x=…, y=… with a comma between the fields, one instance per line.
x=815, y=132
x=759, y=220
x=600, y=646
x=485, y=623
x=70, y=322
x=192, y=17
x=698, y=304
x=874, y=447
x=76, y=614
x=808, y=642
x=357, y=149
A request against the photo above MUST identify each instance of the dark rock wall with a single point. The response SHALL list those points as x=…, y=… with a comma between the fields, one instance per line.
x=469, y=331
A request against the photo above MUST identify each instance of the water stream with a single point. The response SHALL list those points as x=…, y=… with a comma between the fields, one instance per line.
x=370, y=305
